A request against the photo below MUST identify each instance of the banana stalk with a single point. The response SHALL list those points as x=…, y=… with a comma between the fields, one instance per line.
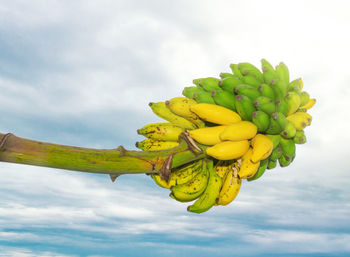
x=105, y=161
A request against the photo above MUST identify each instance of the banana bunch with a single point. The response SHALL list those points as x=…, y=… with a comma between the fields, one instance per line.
x=246, y=121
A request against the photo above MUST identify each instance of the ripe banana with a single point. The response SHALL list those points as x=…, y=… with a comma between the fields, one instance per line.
x=228, y=150
x=248, y=167
x=309, y=104
x=207, y=135
x=223, y=167
x=161, y=131
x=155, y=145
x=260, y=171
x=239, y=131
x=230, y=188
x=262, y=147
x=215, y=114
x=300, y=120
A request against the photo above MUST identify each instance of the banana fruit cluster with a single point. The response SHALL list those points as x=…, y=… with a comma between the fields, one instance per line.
x=248, y=121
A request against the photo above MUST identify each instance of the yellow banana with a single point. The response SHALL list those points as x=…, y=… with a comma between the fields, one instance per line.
x=155, y=145
x=179, y=176
x=309, y=104
x=223, y=167
x=192, y=189
x=161, y=131
x=262, y=147
x=215, y=113
x=164, y=112
x=300, y=120
x=181, y=106
x=239, y=131
x=207, y=135
x=228, y=150
x=248, y=168
x=230, y=188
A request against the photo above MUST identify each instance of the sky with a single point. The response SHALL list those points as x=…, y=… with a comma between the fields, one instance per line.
x=83, y=72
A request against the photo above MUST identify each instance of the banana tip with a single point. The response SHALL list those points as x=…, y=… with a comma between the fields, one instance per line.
x=150, y=104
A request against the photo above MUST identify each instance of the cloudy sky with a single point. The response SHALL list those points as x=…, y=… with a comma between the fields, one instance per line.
x=83, y=72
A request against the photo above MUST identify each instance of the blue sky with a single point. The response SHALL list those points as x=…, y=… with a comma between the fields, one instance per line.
x=83, y=72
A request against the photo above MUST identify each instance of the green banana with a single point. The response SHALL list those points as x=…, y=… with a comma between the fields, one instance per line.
x=208, y=84
x=252, y=81
x=247, y=90
x=189, y=91
x=277, y=123
x=211, y=193
x=224, y=98
x=179, y=175
x=299, y=137
x=297, y=82
x=289, y=130
x=226, y=75
x=155, y=145
x=276, y=154
x=304, y=98
x=270, y=75
x=265, y=63
x=288, y=148
x=249, y=69
x=203, y=97
x=192, y=189
x=261, y=120
x=228, y=84
x=293, y=101
x=265, y=104
x=260, y=171
x=284, y=161
x=244, y=107
x=283, y=73
x=275, y=139
x=161, y=131
x=235, y=70
x=282, y=106
x=272, y=164
x=161, y=110
x=267, y=91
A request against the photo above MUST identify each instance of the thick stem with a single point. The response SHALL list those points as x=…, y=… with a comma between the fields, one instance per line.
x=107, y=161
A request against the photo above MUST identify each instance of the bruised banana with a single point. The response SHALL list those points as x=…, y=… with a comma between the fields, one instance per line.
x=248, y=167
x=223, y=167
x=161, y=131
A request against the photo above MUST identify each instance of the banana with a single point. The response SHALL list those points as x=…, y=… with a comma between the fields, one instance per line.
x=229, y=83
x=260, y=171
x=155, y=145
x=275, y=139
x=293, y=101
x=207, y=135
x=282, y=106
x=235, y=70
x=288, y=148
x=289, y=130
x=299, y=137
x=239, y=131
x=161, y=131
x=180, y=175
x=223, y=167
x=192, y=189
x=262, y=147
x=230, y=188
x=249, y=69
x=163, y=111
x=265, y=104
x=304, y=98
x=272, y=164
x=247, y=90
x=276, y=154
x=284, y=162
x=261, y=120
x=297, y=82
x=277, y=123
x=265, y=63
x=224, y=75
x=211, y=193
x=283, y=73
x=267, y=91
x=224, y=98
x=208, y=84
x=309, y=104
x=300, y=120
x=181, y=106
x=252, y=81
x=248, y=167
x=189, y=91
x=203, y=97
x=245, y=107
x=270, y=75
x=228, y=150
x=215, y=114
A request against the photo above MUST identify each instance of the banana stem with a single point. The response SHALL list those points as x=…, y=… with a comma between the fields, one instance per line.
x=105, y=161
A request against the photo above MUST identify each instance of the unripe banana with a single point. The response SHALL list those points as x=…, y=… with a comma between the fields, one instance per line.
x=208, y=84
x=215, y=114
x=161, y=131
x=252, y=81
x=276, y=154
x=247, y=90
x=224, y=98
x=275, y=139
x=163, y=111
x=288, y=148
x=297, y=82
x=272, y=164
x=248, y=167
x=224, y=75
x=211, y=193
x=262, y=147
x=189, y=91
x=289, y=130
x=261, y=120
x=309, y=104
x=228, y=150
x=293, y=101
x=235, y=70
x=181, y=106
x=248, y=69
x=207, y=135
x=230, y=188
x=284, y=161
x=299, y=137
x=245, y=107
x=283, y=73
x=265, y=104
x=282, y=106
x=239, y=131
x=265, y=63
x=228, y=84
x=203, y=97
x=267, y=91
x=304, y=98
x=155, y=145
x=277, y=123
